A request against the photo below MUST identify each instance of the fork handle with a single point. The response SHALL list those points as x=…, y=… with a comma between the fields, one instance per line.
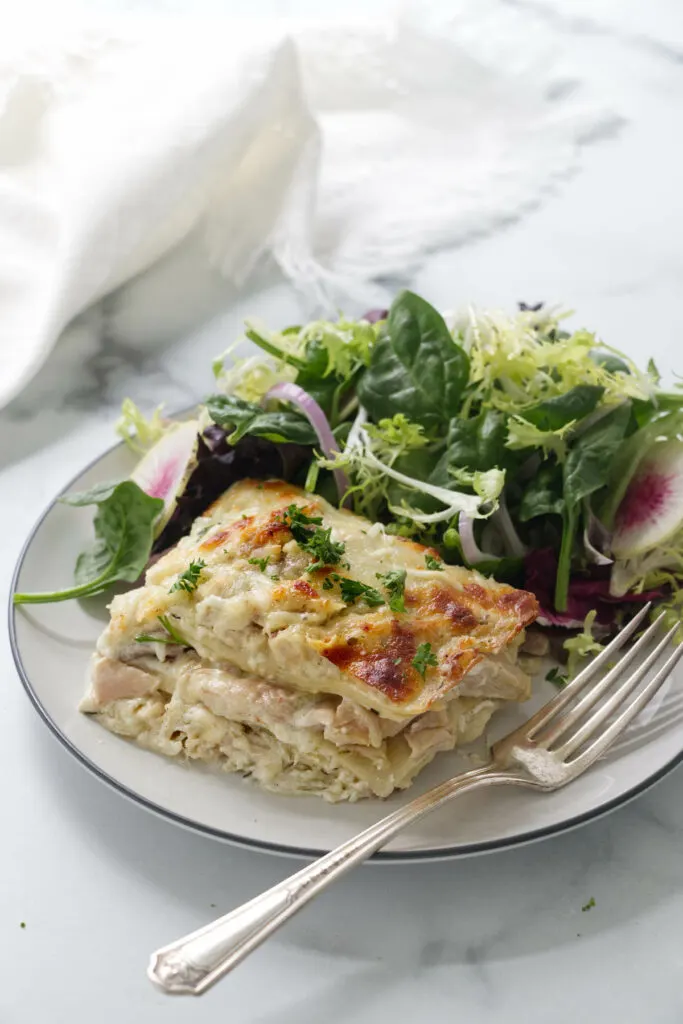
x=192, y=964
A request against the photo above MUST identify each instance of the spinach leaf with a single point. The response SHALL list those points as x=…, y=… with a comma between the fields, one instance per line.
x=96, y=494
x=476, y=444
x=228, y=411
x=91, y=563
x=589, y=461
x=461, y=452
x=586, y=470
x=419, y=464
x=543, y=494
x=608, y=361
x=491, y=437
x=312, y=377
x=124, y=532
x=556, y=412
x=416, y=366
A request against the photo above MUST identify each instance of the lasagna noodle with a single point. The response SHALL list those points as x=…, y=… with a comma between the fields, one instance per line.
x=279, y=678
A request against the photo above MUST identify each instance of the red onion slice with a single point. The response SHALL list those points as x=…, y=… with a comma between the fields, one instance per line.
x=470, y=548
x=595, y=539
x=503, y=521
x=374, y=315
x=329, y=445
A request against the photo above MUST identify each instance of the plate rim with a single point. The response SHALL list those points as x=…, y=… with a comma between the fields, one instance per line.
x=282, y=849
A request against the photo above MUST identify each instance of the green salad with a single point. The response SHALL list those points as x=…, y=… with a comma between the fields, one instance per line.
x=540, y=456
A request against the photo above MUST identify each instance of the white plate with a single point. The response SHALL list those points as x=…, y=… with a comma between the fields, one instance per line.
x=52, y=644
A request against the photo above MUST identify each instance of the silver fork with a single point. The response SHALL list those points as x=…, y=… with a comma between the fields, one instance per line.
x=551, y=749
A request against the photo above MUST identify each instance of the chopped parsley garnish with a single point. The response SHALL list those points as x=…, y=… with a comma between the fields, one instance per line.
x=296, y=520
x=556, y=677
x=147, y=638
x=173, y=637
x=325, y=550
x=589, y=905
x=261, y=562
x=172, y=632
x=308, y=533
x=189, y=580
x=22, y=924
x=328, y=584
x=424, y=657
x=395, y=585
x=397, y=661
x=433, y=563
x=351, y=590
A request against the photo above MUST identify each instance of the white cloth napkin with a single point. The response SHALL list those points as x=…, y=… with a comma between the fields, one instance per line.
x=146, y=156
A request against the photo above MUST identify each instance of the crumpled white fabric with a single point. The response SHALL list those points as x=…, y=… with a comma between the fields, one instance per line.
x=137, y=159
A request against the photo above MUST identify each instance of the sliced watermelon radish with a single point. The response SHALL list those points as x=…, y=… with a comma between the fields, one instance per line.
x=652, y=507
x=164, y=471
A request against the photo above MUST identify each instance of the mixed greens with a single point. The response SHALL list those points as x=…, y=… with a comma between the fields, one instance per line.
x=124, y=531
x=507, y=443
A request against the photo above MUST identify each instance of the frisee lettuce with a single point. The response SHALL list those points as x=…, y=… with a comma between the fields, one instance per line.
x=251, y=378
x=392, y=437
x=582, y=645
x=140, y=432
x=523, y=435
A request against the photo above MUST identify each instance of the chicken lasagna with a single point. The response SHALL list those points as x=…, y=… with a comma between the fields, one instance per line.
x=306, y=647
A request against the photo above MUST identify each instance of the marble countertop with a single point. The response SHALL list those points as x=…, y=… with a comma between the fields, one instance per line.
x=98, y=883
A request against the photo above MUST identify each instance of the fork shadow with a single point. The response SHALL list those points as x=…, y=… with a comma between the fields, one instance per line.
x=500, y=907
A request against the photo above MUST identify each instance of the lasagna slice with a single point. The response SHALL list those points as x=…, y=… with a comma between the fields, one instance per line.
x=306, y=647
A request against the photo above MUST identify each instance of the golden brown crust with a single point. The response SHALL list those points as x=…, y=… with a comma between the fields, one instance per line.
x=360, y=650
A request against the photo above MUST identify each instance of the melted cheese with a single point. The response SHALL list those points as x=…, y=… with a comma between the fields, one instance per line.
x=283, y=626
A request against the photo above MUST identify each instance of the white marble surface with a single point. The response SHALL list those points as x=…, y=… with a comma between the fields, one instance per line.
x=99, y=883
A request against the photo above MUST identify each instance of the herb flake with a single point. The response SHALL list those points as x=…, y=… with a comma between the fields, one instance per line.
x=351, y=590
x=433, y=563
x=307, y=531
x=424, y=658
x=189, y=580
x=174, y=637
x=556, y=677
x=395, y=584
x=261, y=562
